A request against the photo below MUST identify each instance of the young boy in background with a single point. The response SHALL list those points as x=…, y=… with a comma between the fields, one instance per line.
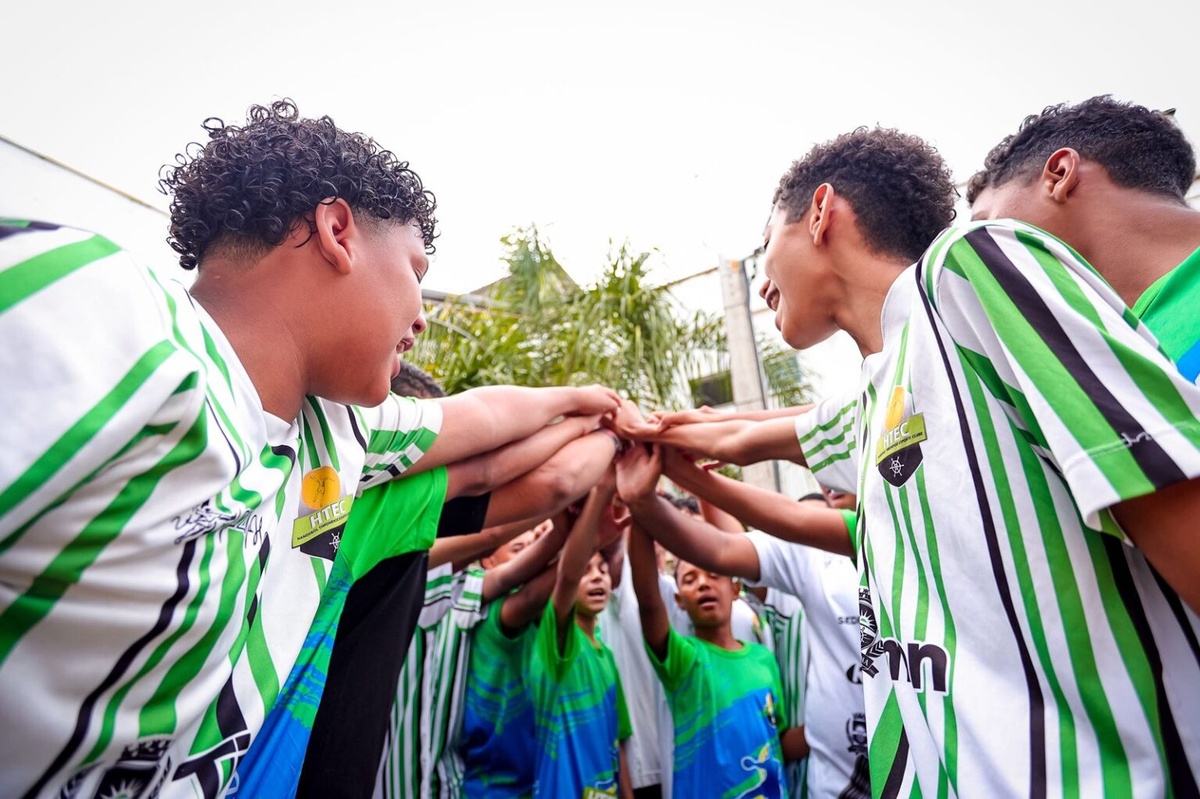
x=578, y=702
x=725, y=695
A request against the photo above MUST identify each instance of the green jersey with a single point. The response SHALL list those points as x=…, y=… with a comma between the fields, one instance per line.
x=579, y=709
x=1170, y=309
x=728, y=714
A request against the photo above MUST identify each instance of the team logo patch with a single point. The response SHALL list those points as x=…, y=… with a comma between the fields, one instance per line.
x=322, y=518
x=898, y=451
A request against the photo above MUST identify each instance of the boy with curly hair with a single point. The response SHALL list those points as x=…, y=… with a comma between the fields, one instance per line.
x=171, y=511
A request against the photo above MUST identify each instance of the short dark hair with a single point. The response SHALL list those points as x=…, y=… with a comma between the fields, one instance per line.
x=1138, y=148
x=414, y=381
x=898, y=185
x=684, y=502
x=250, y=186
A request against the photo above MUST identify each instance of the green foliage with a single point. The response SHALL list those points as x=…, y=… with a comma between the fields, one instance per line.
x=537, y=327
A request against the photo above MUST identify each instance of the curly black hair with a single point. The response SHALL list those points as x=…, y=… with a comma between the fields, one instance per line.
x=413, y=381
x=898, y=185
x=1138, y=148
x=250, y=186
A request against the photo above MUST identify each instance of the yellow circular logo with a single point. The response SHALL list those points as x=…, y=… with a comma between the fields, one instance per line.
x=320, y=487
x=895, y=409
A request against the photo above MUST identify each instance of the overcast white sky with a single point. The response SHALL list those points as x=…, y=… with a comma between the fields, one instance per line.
x=667, y=123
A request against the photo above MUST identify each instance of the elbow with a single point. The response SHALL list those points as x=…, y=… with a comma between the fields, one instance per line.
x=559, y=487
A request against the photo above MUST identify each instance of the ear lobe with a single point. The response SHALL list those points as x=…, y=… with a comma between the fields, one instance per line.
x=822, y=206
x=679, y=600
x=1061, y=174
x=336, y=235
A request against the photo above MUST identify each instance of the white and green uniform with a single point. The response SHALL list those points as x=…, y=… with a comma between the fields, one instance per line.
x=421, y=757
x=164, y=542
x=1014, y=643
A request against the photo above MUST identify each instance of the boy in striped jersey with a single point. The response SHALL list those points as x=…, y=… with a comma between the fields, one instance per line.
x=199, y=439
x=1110, y=178
x=1018, y=429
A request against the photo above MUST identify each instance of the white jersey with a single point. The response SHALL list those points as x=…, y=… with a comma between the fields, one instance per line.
x=621, y=630
x=834, y=718
x=1013, y=642
x=163, y=540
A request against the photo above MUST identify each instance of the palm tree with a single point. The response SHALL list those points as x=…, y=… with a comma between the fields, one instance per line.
x=537, y=327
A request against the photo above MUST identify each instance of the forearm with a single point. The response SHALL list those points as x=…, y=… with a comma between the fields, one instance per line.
x=695, y=541
x=526, y=564
x=1163, y=526
x=738, y=441
x=558, y=482
x=794, y=744
x=643, y=568
x=466, y=548
x=769, y=511
x=524, y=607
x=581, y=544
x=482, y=419
x=489, y=471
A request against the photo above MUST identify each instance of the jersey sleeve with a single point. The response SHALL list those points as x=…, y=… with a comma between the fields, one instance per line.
x=783, y=565
x=394, y=518
x=681, y=656
x=828, y=438
x=1081, y=378
x=399, y=431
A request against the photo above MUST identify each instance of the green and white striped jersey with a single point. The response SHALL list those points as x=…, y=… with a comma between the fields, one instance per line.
x=163, y=540
x=421, y=757
x=1013, y=643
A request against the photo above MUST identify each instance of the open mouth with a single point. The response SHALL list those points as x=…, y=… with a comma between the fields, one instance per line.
x=597, y=594
x=708, y=603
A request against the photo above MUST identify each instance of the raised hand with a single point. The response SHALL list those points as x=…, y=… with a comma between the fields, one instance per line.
x=627, y=422
x=638, y=471
x=595, y=399
x=665, y=420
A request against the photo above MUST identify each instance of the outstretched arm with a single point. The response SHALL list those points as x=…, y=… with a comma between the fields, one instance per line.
x=558, y=482
x=580, y=546
x=738, y=440
x=691, y=539
x=522, y=608
x=771, y=512
x=483, y=419
x=489, y=471
x=665, y=419
x=528, y=562
x=656, y=624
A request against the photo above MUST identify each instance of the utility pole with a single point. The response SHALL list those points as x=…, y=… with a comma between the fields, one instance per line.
x=745, y=367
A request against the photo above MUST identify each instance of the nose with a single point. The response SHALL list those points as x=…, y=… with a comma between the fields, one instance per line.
x=765, y=289
x=420, y=324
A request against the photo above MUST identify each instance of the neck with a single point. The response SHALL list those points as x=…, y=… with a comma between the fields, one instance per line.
x=720, y=636
x=587, y=623
x=1139, y=241
x=863, y=291
x=268, y=352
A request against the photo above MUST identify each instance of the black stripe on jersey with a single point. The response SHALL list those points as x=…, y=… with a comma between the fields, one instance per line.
x=1181, y=616
x=1158, y=467
x=358, y=434
x=895, y=777
x=83, y=719
x=1037, y=711
x=13, y=227
x=1180, y=773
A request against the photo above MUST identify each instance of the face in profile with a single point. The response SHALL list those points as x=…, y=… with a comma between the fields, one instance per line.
x=380, y=305
x=792, y=286
x=506, y=552
x=594, y=588
x=706, y=597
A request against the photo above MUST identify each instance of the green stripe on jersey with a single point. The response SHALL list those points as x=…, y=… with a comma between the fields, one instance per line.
x=21, y=281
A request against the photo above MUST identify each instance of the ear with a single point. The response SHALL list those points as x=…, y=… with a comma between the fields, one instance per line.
x=820, y=213
x=679, y=600
x=1060, y=176
x=337, y=233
